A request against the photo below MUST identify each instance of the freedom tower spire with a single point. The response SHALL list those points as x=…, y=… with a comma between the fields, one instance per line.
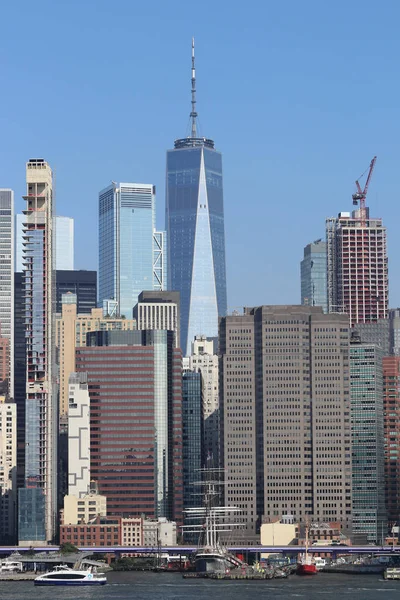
x=193, y=114
x=195, y=230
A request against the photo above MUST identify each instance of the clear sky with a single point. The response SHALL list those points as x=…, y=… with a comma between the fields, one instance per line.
x=298, y=95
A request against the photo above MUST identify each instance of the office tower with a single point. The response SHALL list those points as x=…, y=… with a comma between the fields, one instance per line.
x=158, y=310
x=377, y=333
x=130, y=248
x=284, y=384
x=204, y=360
x=4, y=365
x=64, y=243
x=19, y=245
x=71, y=329
x=391, y=412
x=78, y=435
x=7, y=278
x=192, y=438
x=20, y=373
x=8, y=469
x=394, y=331
x=81, y=283
x=357, y=267
x=195, y=231
x=37, y=501
x=313, y=275
x=369, y=515
x=135, y=388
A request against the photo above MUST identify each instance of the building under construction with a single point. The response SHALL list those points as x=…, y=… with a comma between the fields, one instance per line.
x=357, y=262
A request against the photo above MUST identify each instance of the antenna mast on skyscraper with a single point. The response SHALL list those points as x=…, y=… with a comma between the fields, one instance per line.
x=193, y=114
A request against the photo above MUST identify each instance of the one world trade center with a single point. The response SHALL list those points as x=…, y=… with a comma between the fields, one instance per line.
x=195, y=231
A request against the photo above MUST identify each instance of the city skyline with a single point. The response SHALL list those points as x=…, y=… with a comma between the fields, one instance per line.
x=321, y=137
x=143, y=363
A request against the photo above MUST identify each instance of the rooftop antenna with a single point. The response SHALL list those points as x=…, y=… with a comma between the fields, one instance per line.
x=193, y=114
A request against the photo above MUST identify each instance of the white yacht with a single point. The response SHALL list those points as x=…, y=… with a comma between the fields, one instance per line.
x=65, y=576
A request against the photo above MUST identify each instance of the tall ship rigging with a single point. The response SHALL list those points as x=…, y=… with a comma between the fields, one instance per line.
x=208, y=522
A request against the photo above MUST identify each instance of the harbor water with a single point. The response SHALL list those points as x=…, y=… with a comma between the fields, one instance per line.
x=171, y=586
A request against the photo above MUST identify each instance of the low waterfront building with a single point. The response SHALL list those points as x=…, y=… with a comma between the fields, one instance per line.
x=102, y=531
x=132, y=531
x=160, y=532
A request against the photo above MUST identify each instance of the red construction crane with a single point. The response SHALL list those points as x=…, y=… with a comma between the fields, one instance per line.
x=361, y=195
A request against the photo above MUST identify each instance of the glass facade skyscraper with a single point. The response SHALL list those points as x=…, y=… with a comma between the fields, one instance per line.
x=367, y=431
x=195, y=232
x=130, y=249
x=313, y=275
x=64, y=243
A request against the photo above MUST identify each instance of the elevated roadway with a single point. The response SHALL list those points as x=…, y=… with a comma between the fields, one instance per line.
x=189, y=549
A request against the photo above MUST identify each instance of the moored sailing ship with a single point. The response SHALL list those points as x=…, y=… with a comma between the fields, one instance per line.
x=208, y=521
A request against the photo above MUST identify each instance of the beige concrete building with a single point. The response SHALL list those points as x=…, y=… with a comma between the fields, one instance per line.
x=132, y=531
x=278, y=533
x=8, y=469
x=71, y=330
x=203, y=360
x=83, y=510
x=284, y=381
x=78, y=435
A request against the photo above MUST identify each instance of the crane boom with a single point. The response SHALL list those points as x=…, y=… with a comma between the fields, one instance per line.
x=361, y=194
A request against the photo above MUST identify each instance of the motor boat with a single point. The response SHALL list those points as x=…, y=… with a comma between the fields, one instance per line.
x=65, y=576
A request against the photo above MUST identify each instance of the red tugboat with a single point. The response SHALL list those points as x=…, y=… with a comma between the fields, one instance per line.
x=306, y=564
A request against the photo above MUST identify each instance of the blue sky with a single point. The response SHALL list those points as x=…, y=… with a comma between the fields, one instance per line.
x=298, y=96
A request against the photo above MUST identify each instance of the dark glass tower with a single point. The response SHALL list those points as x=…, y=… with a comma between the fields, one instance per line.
x=195, y=231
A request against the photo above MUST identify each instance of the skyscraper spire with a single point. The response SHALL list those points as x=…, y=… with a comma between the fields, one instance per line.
x=193, y=114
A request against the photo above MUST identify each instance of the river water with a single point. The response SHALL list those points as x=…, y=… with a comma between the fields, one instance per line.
x=171, y=586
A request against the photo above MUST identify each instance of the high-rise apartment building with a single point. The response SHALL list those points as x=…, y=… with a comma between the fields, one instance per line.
x=8, y=470
x=391, y=412
x=195, y=231
x=313, y=275
x=63, y=234
x=71, y=330
x=135, y=388
x=368, y=479
x=203, y=359
x=7, y=278
x=158, y=310
x=357, y=267
x=38, y=500
x=78, y=436
x=284, y=387
x=81, y=283
x=64, y=243
x=131, y=251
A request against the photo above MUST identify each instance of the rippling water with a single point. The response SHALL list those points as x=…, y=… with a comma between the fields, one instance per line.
x=171, y=586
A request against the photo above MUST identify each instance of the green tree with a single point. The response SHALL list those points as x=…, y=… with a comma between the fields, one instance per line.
x=68, y=548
